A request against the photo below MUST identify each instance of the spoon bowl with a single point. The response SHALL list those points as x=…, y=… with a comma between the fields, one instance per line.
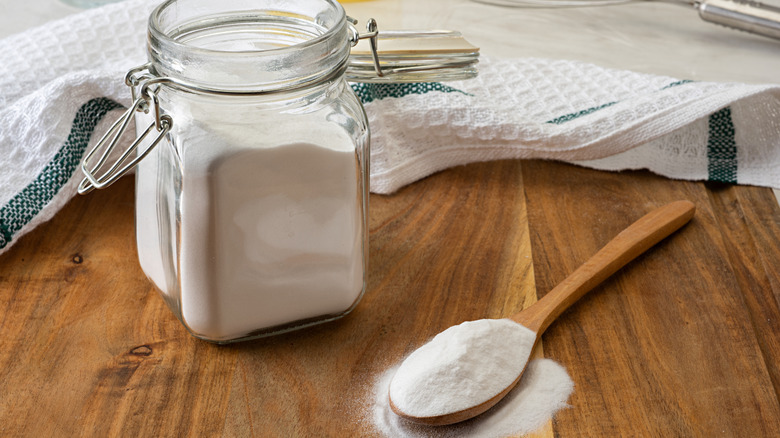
x=626, y=246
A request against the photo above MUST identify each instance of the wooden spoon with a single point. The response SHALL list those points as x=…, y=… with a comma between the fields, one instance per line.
x=626, y=246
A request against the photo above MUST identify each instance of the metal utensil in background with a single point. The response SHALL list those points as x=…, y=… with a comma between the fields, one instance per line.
x=753, y=17
x=749, y=16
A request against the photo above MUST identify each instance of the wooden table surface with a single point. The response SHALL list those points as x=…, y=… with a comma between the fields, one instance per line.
x=684, y=341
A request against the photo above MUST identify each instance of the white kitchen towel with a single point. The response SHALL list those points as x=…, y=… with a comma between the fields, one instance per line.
x=62, y=82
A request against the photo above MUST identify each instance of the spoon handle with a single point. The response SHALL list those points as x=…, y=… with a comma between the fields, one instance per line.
x=626, y=246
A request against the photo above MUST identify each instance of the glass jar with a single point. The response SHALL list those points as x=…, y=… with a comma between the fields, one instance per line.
x=252, y=193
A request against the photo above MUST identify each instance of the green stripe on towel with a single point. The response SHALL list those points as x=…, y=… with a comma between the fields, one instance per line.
x=577, y=114
x=721, y=148
x=572, y=116
x=368, y=92
x=677, y=83
x=23, y=207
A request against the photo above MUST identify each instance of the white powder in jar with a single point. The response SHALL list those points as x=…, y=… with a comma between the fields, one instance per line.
x=461, y=367
x=286, y=239
x=270, y=230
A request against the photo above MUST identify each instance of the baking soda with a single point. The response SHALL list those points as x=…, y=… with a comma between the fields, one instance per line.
x=287, y=239
x=543, y=391
x=267, y=235
x=461, y=367
x=465, y=366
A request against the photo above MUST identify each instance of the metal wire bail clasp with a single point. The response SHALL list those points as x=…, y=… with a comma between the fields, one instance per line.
x=147, y=101
x=372, y=33
x=409, y=55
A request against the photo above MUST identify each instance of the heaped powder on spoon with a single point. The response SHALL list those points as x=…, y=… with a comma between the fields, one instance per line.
x=461, y=367
x=543, y=391
x=463, y=364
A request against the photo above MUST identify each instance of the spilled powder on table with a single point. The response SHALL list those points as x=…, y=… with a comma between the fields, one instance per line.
x=543, y=391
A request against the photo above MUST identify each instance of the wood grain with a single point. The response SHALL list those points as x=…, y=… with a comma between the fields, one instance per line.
x=631, y=242
x=683, y=342
x=752, y=250
x=90, y=349
x=666, y=347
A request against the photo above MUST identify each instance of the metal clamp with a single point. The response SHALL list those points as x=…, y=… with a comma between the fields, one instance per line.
x=372, y=33
x=144, y=85
x=109, y=140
